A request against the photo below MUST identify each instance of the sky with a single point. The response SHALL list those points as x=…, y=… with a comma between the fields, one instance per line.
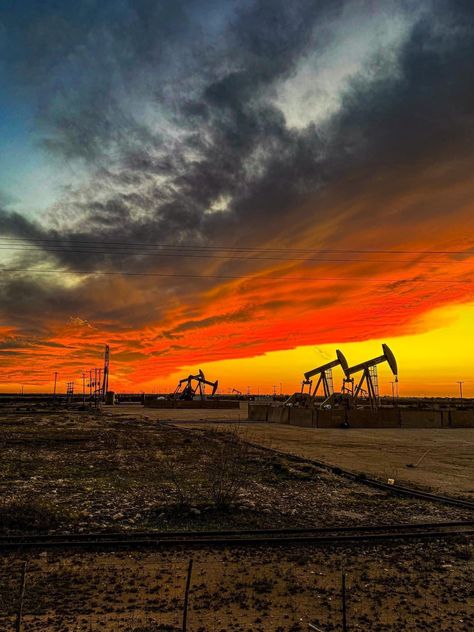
x=238, y=185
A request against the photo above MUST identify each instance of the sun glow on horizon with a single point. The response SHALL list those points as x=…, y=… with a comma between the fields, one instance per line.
x=424, y=368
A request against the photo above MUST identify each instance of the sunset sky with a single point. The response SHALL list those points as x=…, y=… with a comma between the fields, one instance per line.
x=238, y=185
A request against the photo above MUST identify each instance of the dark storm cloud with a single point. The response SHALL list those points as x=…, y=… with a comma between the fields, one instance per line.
x=215, y=133
x=222, y=114
x=17, y=342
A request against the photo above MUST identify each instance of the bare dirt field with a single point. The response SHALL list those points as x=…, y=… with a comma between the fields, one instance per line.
x=447, y=467
x=85, y=471
x=127, y=470
x=181, y=414
x=447, y=454
x=396, y=588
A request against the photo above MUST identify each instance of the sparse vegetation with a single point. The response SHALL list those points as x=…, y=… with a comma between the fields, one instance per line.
x=81, y=471
x=89, y=472
x=241, y=590
x=213, y=475
x=30, y=515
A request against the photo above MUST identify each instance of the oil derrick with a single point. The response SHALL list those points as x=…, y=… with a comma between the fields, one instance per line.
x=189, y=386
x=369, y=377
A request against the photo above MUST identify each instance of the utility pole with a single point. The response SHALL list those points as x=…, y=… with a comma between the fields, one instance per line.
x=100, y=384
x=460, y=388
x=83, y=388
x=55, y=382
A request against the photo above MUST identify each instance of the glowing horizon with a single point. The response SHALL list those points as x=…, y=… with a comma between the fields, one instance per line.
x=423, y=369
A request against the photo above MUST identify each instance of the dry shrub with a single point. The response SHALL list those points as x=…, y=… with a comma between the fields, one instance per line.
x=179, y=473
x=227, y=465
x=214, y=472
x=28, y=515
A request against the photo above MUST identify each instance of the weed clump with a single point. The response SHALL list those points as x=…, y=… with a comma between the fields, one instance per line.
x=28, y=515
x=214, y=474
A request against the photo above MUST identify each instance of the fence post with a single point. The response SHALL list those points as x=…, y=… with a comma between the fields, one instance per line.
x=186, y=595
x=19, y=614
x=344, y=610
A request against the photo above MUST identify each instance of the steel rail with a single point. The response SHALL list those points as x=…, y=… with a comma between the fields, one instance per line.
x=191, y=539
x=233, y=542
x=105, y=536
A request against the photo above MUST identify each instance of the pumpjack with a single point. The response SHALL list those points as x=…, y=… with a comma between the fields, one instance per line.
x=189, y=386
x=369, y=377
x=325, y=377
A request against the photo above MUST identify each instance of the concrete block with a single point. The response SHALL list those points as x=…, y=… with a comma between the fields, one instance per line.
x=367, y=418
x=330, y=418
x=301, y=417
x=258, y=412
x=411, y=418
x=461, y=418
x=278, y=414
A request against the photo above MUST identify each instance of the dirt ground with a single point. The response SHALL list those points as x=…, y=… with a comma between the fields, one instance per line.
x=447, y=454
x=180, y=414
x=396, y=588
x=447, y=467
x=81, y=471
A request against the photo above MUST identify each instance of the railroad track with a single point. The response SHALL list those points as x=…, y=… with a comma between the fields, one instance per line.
x=249, y=537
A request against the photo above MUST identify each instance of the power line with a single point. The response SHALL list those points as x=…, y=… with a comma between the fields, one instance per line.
x=230, y=257
x=62, y=240
x=228, y=276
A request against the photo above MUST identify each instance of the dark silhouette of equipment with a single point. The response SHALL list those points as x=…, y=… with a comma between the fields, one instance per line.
x=368, y=378
x=70, y=392
x=325, y=377
x=105, y=378
x=189, y=386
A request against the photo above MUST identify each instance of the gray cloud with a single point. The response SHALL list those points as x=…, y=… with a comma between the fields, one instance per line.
x=172, y=115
